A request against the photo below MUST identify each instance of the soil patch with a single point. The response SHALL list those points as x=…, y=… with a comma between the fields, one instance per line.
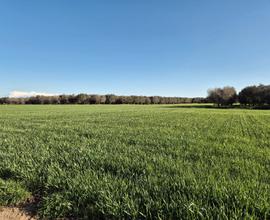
x=7, y=213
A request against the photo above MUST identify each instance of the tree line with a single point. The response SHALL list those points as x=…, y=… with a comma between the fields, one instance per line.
x=253, y=96
x=100, y=99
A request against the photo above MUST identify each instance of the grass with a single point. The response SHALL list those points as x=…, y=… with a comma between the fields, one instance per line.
x=136, y=162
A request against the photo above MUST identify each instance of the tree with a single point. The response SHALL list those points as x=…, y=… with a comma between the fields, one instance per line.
x=102, y=99
x=82, y=99
x=95, y=99
x=110, y=99
x=267, y=95
x=72, y=99
x=222, y=96
x=246, y=96
x=34, y=100
x=64, y=99
x=255, y=95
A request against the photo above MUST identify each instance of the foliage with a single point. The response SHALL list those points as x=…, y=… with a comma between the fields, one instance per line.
x=100, y=99
x=255, y=95
x=222, y=96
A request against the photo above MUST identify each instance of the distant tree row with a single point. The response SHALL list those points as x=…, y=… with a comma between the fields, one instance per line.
x=250, y=95
x=100, y=99
x=226, y=96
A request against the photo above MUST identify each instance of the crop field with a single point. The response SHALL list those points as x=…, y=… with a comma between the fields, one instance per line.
x=136, y=161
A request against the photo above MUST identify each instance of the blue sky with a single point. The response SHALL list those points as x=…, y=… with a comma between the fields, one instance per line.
x=142, y=47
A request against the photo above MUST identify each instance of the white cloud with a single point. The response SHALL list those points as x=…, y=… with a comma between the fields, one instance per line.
x=21, y=94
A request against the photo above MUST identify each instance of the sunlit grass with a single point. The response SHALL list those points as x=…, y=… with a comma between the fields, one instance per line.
x=141, y=162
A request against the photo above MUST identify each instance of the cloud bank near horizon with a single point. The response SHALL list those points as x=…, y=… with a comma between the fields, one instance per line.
x=22, y=94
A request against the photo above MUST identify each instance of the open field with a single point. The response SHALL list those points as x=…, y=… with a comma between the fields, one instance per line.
x=154, y=162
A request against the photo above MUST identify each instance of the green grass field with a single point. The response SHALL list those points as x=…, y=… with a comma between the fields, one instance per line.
x=136, y=162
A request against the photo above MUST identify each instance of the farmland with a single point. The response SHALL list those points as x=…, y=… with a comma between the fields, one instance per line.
x=136, y=161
